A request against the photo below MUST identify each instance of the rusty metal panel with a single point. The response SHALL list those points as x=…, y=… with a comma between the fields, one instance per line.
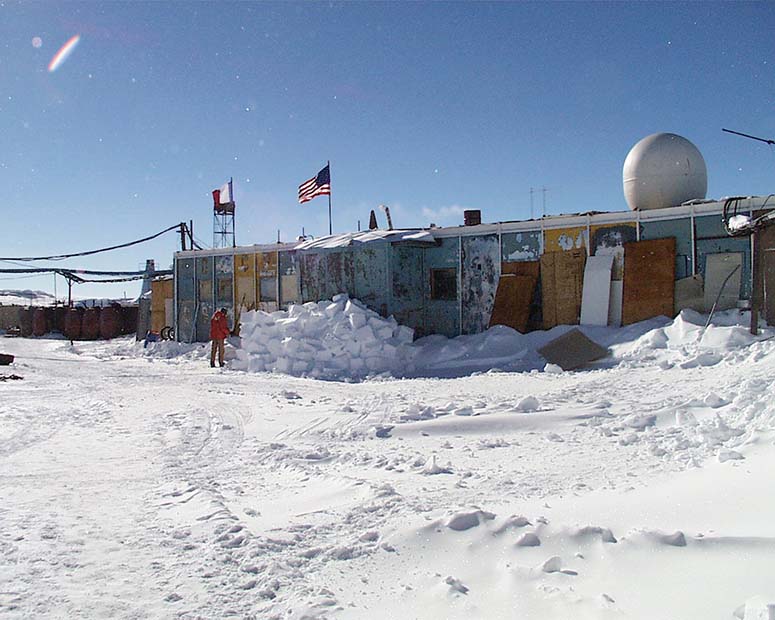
x=609, y=240
x=765, y=258
x=441, y=316
x=681, y=230
x=481, y=269
x=290, y=289
x=408, y=276
x=224, y=281
x=245, y=280
x=313, y=267
x=521, y=246
x=266, y=281
x=564, y=239
x=649, y=279
x=369, y=265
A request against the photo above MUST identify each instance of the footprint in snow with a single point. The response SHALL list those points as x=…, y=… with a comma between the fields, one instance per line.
x=456, y=585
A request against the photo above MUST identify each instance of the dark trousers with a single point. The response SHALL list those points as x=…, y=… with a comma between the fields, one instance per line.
x=217, y=346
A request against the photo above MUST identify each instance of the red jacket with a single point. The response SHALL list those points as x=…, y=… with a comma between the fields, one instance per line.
x=219, y=326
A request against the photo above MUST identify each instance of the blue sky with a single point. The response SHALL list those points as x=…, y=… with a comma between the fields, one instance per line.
x=429, y=108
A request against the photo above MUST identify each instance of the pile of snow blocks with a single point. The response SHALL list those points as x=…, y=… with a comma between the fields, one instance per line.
x=335, y=339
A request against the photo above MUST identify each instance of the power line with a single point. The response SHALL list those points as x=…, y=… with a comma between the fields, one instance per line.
x=63, y=271
x=90, y=252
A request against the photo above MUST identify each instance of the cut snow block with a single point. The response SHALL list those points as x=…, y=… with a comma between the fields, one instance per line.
x=572, y=350
x=596, y=291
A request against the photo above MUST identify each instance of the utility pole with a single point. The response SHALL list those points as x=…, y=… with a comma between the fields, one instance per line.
x=543, y=191
x=531, y=203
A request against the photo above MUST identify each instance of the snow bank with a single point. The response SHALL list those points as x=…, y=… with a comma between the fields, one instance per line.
x=343, y=339
x=334, y=339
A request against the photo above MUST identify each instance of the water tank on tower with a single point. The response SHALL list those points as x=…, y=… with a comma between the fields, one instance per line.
x=663, y=170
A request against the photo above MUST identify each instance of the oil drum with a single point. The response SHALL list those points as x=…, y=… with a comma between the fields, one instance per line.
x=73, y=323
x=25, y=321
x=90, y=325
x=39, y=326
x=110, y=323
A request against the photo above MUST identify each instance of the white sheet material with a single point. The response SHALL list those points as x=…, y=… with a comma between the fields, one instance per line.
x=597, y=290
x=615, y=303
x=717, y=268
x=347, y=239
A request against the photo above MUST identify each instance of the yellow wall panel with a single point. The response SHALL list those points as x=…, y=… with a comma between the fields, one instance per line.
x=564, y=239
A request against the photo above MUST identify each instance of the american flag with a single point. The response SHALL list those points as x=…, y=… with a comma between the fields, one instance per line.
x=319, y=185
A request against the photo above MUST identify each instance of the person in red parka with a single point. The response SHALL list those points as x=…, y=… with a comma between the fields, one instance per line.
x=219, y=330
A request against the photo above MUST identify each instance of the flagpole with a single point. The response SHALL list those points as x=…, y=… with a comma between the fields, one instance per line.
x=330, y=228
x=233, y=213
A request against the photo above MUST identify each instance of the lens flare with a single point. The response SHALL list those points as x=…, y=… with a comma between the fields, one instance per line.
x=37, y=42
x=63, y=53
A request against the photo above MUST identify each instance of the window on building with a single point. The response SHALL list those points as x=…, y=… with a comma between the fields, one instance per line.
x=444, y=284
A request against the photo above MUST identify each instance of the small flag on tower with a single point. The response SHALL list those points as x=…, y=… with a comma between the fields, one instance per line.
x=319, y=185
x=222, y=198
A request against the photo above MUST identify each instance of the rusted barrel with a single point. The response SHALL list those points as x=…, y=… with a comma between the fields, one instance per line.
x=73, y=324
x=90, y=324
x=110, y=323
x=25, y=321
x=59, y=319
x=128, y=319
x=39, y=323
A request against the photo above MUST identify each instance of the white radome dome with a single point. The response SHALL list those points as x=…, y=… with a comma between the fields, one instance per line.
x=663, y=170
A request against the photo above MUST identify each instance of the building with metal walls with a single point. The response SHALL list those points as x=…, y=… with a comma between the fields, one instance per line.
x=445, y=280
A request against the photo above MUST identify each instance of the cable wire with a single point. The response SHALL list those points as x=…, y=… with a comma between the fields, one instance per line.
x=90, y=252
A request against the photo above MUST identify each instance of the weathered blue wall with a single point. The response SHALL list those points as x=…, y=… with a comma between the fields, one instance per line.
x=521, y=246
x=370, y=276
x=185, y=281
x=408, y=283
x=681, y=229
x=481, y=270
x=441, y=316
x=712, y=238
x=205, y=282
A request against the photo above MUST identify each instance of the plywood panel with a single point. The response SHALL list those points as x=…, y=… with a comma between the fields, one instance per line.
x=512, y=301
x=562, y=278
x=572, y=350
x=522, y=268
x=649, y=279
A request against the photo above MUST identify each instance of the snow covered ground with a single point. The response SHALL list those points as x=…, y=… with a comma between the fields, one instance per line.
x=141, y=483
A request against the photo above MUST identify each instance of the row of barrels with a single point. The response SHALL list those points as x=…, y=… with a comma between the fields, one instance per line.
x=80, y=323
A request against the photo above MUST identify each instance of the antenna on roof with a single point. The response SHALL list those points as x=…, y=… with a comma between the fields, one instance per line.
x=745, y=135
